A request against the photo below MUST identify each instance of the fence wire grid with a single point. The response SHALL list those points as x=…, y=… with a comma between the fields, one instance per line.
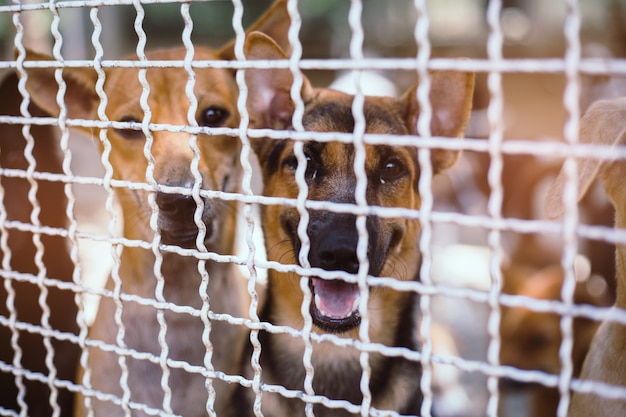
x=503, y=291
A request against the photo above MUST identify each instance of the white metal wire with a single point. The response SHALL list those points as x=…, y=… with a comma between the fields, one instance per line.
x=36, y=239
x=303, y=191
x=356, y=52
x=495, y=115
x=426, y=199
x=202, y=267
x=250, y=263
x=570, y=101
x=71, y=200
x=6, y=265
x=510, y=65
x=495, y=65
x=95, y=40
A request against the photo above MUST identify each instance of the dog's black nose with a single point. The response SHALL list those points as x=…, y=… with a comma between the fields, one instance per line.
x=176, y=205
x=333, y=245
x=337, y=256
x=176, y=220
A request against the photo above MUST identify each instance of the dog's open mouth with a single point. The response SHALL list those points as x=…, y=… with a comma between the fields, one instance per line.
x=335, y=305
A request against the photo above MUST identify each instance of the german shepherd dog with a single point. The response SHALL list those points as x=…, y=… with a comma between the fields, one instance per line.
x=393, y=174
x=185, y=281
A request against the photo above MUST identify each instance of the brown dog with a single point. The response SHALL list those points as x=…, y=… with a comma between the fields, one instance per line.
x=393, y=175
x=173, y=156
x=603, y=124
x=531, y=339
x=56, y=260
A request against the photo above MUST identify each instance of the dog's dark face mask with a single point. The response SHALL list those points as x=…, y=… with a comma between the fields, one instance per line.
x=392, y=177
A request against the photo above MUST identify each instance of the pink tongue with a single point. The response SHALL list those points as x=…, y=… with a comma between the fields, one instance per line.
x=335, y=299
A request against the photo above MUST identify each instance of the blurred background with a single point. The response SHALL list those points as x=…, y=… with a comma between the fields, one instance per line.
x=533, y=110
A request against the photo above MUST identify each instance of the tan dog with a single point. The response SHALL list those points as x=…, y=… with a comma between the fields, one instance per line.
x=531, y=339
x=604, y=123
x=56, y=260
x=218, y=165
x=393, y=175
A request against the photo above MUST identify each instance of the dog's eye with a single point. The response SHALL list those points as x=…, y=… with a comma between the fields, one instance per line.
x=292, y=164
x=311, y=168
x=213, y=117
x=133, y=132
x=391, y=171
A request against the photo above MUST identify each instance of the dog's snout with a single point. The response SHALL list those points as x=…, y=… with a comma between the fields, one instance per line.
x=334, y=245
x=176, y=205
x=338, y=255
x=334, y=240
x=176, y=220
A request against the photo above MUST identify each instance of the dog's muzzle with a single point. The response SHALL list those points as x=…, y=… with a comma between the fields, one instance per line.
x=176, y=220
x=334, y=239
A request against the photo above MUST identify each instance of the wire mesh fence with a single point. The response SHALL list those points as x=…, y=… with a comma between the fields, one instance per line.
x=161, y=224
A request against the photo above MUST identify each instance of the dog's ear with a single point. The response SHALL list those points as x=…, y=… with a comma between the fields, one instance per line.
x=274, y=23
x=80, y=95
x=269, y=98
x=451, y=101
x=604, y=123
